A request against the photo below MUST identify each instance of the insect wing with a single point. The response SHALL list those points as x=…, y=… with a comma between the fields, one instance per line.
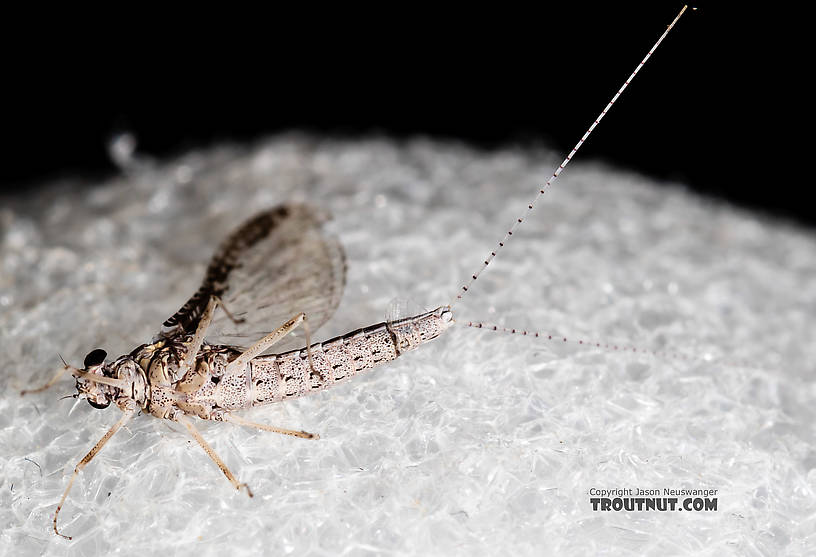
x=277, y=264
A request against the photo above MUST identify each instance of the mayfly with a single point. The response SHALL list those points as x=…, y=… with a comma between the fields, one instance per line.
x=278, y=267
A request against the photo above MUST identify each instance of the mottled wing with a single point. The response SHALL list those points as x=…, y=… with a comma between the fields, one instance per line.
x=274, y=266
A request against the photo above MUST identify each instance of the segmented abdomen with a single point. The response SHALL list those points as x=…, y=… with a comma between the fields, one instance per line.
x=273, y=378
x=282, y=376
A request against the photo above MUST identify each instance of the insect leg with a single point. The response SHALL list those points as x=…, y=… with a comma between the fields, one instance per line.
x=209, y=450
x=269, y=340
x=60, y=372
x=201, y=330
x=308, y=343
x=227, y=312
x=88, y=457
x=242, y=422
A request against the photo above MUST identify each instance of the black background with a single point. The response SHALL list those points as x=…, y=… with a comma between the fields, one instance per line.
x=707, y=109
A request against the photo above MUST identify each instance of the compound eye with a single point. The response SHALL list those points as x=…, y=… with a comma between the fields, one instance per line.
x=99, y=406
x=95, y=357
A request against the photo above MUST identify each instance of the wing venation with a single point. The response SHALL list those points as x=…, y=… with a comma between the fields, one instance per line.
x=277, y=264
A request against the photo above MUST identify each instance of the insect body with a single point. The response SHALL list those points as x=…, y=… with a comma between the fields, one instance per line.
x=284, y=259
x=278, y=267
x=222, y=379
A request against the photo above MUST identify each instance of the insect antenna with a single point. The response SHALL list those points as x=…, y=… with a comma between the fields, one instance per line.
x=466, y=287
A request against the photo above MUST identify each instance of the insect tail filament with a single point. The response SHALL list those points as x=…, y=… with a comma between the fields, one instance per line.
x=466, y=287
x=598, y=344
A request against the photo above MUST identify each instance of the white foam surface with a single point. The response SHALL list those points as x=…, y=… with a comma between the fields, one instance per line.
x=479, y=443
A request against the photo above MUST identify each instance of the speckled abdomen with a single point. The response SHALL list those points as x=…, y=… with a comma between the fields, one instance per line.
x=282, y=376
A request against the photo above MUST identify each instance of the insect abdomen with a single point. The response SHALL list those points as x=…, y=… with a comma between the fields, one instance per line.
x=288, y=375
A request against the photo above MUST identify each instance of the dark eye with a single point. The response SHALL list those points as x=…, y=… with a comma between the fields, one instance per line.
x=95, y=357
x=99, y=406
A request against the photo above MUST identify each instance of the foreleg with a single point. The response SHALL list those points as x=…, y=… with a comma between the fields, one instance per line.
x=88, y=457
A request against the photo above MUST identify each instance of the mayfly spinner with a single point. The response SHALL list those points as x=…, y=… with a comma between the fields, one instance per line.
x=278, y=267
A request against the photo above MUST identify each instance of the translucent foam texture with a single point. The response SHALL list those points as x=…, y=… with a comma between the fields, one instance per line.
x=479, y=443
